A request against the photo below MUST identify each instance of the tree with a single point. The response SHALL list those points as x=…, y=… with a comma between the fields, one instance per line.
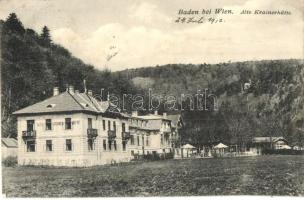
x=239, y=120
x=45, y=36
x=13, y=24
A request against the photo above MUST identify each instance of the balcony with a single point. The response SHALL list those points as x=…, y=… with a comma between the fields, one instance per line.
x=29, y=134
x=126, y=135
x=174, y=139
x=167, y=131
x=92, y=133
x=111, y=134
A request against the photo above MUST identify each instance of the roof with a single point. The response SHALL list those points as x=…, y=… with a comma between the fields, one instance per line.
x=65, y=102
x=267, y=139
x=220, y=146
x=147, y=128
x=9, y=142
x=153, y=117
x=174, y=119
x=188, y=146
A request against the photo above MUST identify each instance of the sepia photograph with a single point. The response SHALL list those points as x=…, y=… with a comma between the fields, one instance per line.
x=152, y=98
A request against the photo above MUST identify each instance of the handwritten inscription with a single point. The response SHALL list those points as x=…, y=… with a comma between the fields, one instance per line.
x=198, y=20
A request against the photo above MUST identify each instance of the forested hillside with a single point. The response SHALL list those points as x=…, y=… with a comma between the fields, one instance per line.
x=31, y=65
x=272, y=105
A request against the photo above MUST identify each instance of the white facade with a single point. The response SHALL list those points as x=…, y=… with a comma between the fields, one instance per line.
x=8, y=152
x=75, y=129
x=150, y=135
x=51, y=146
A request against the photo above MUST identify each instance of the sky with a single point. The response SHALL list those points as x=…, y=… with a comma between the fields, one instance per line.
x=141, y=33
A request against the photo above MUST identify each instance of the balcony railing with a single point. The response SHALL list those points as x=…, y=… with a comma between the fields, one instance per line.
x=174, y=139
x=29, y=134
x=92, y=132
x=126, y=135
x=111, y=134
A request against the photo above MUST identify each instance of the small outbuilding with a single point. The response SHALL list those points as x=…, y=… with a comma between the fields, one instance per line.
x=220, y=149
x=259, y=144
x=188, y=150
x=9, y=147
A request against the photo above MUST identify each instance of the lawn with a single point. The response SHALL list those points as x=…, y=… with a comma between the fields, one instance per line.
x=263, y=175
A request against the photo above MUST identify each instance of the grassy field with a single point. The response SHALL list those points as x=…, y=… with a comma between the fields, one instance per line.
x=264, y=175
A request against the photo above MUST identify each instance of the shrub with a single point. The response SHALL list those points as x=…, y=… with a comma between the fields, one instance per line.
x=153, y=157
x=283, y=151
x=10, y=161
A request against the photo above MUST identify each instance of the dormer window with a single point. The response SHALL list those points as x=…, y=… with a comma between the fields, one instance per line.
x=51, y=105
x=85, y=105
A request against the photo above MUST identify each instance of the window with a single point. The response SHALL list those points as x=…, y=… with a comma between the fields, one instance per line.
x=104, y=124
x=104, y=145
x=90, y=123
x=132, y=152
x=138, y=140
x=49, y=146
x=115, y=145
x=109, y=145
x=167, y=140
x=147, y=140
x=123, y=127
x=124, y=145
x=30, y=125
x=143, y=140
x=161, y=139
x=68, y=123
x=91, y=144
x=31, y=146
x=51, y=105
x=109, y=125
x=48, y=124
x=114, y=126
x=68, y=145
x=132, y=139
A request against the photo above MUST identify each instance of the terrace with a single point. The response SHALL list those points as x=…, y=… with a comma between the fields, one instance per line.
x=29, y=134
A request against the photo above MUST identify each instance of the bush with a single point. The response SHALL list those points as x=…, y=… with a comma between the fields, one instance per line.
x=153, y=157
x=10, y=161
x=283, y=151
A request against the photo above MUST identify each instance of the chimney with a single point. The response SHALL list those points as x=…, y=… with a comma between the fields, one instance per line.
x=155, y=112
x=165, y=115
x=55, y=91
x=71, y=89
x=134, y=113
x=90, y=93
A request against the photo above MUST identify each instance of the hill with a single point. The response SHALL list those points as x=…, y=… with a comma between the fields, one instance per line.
x=271, y=106
x=254, y=98
x=32, y=65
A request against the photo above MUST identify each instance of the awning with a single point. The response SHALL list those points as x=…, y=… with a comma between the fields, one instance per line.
x=188, y=146
x=220, y=146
